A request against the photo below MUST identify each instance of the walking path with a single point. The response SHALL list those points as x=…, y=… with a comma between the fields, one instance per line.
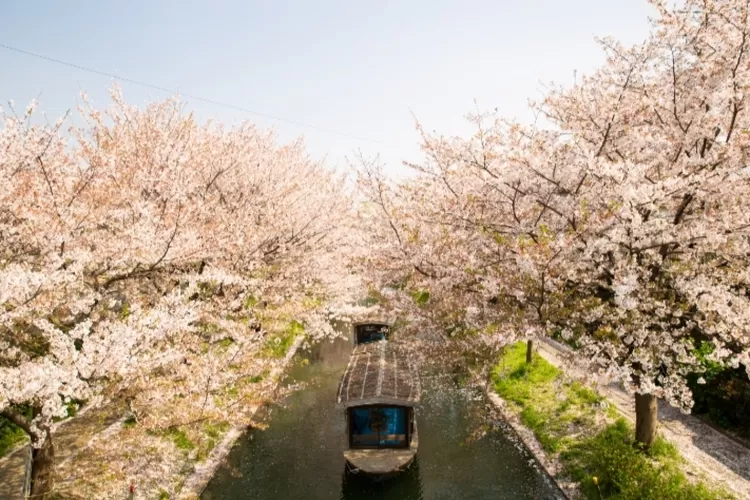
x=709, y=453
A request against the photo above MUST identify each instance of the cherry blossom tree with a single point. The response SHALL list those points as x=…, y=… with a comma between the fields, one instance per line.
x=624, y=227
x=664, y=126
x=144, y=243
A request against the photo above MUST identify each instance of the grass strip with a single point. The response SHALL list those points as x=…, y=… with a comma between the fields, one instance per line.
x=595, y=446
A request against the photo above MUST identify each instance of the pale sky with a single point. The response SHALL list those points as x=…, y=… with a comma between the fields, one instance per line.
x=360, y=68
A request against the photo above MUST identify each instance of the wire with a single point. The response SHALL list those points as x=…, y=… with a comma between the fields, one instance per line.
x=191, y=96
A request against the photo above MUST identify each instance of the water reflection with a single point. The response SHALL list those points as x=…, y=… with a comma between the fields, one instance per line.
x=300, y=455
x=406, y=485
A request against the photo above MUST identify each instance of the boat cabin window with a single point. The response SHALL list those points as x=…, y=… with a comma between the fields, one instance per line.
x=371, y=333
x=378, y=427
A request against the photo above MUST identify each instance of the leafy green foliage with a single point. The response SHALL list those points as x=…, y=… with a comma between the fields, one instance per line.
x=216, y=430
x=71, y=408
x=724, y=399
x=226, y=342
x=725, y=396
x=571, y=341
x=712, y=368
x=373, y=297
x=125, y=312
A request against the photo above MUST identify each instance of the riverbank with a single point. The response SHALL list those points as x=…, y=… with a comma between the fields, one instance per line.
x=197, y=481
x=551, y=464
x=102, y=452
x=581, y=438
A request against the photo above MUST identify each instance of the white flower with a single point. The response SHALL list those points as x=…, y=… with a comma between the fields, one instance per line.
x=31, y=107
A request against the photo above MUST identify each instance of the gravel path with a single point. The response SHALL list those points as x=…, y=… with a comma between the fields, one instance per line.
x=11, y=474
x=710, y=455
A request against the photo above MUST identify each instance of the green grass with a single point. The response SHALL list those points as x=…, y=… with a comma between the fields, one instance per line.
x=277, y=344
x=624, y=471
x=213, y=433
x=10, y=435
x=251, y=302
x=573, y=421
x=554, y=411
x=181, y=439
x=226, y=342
x=216, y=430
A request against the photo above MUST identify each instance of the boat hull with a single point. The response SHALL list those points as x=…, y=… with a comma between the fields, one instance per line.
x=383, y=461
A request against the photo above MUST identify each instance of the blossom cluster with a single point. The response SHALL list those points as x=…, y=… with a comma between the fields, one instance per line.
x=619, y=221
x=148, y=255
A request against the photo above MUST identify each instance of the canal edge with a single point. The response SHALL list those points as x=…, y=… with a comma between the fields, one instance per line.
x=549, y=464
x=202, y=473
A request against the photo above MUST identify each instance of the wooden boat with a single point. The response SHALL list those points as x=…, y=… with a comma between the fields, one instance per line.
x=379, y=393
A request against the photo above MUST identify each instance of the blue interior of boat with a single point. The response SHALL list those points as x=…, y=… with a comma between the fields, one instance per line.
x=371, y=333
x=379, y=426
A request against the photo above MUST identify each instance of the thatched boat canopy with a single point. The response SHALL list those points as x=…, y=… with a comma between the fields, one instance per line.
x=380, y=373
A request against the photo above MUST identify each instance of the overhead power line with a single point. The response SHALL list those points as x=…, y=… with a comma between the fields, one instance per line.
x=191, y=96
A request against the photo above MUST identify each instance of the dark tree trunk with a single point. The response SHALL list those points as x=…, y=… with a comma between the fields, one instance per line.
x=529, y=350
x=43, y=470
x=646, y=413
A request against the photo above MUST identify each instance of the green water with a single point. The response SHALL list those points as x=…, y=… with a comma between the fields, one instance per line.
x=300, y=456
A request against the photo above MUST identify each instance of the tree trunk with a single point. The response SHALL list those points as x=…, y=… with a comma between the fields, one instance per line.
x=645, y=419
x=43, y=470
x=529, y=350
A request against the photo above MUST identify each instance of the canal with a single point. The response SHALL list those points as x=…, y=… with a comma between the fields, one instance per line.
x=299, y=456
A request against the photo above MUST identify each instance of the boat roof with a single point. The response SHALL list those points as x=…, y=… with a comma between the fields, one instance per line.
x=380, y=372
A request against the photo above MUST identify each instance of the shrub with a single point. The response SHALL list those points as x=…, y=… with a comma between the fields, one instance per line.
x=724, y=398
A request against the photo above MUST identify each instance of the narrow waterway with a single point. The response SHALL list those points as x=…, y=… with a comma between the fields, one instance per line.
x=300, y=456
